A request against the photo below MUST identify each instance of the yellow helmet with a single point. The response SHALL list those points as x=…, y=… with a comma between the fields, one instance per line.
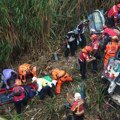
x=115, y=38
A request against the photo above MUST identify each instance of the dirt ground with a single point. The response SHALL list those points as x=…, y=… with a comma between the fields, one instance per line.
x=53, y=108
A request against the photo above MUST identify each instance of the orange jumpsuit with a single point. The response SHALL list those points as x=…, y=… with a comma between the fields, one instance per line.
x=26, y=69
x=111, y=49
x=61, y=76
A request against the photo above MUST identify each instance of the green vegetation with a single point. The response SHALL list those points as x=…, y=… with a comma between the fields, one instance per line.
x=27, y=23
x=39, y=26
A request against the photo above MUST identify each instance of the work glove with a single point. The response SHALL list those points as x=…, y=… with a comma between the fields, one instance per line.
x=36, y=93
x=49, y=84
x=54, y=82
x=80, y=40
x=68, y=46
x=7, y=87
x=77, y=42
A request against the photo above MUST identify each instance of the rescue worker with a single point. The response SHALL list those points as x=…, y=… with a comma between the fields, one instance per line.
x=60, y=76
x=44, y=86
x=113, y=15
x=26, y=70
x=95, y=46
x=84, y=57
x=111, y=49
x=70, y=43
x=19, y=96
x=77, y=108
x=81, y=28
x=8, y=77
x=107, y=35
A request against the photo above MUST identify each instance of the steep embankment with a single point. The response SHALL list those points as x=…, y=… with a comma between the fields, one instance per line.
x=53, y=108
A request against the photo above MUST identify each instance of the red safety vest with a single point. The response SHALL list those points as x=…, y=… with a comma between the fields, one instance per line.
x=78, y=107
x=113, y=12
x=21, y=96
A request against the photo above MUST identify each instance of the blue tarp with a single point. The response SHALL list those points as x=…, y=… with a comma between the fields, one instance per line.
x=6, y=98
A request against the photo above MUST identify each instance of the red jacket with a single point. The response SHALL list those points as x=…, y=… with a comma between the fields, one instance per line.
x=95, y=45
x=110, y=32
x=83, y=56
x=22, y=96
x=113, y=12
x=78, y=107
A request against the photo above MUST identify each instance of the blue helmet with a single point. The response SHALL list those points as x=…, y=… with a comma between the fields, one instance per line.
x=118, y=16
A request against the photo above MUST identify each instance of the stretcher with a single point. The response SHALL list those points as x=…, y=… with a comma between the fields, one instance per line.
x=6, y=96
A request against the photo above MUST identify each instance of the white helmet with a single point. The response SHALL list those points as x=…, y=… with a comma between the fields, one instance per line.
x=34, y=79
x=77, y=96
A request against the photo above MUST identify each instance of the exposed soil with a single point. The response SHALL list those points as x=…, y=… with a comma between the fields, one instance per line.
x=96, y=104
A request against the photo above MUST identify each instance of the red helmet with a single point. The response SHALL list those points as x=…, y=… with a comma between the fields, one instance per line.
x=104, y=26
x=88, y=48
x=118, y=5
x=93, y=37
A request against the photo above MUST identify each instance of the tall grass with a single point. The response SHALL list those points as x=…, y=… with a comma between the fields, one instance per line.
x=25, y=24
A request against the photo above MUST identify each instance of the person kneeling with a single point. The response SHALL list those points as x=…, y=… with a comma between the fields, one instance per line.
x=44, y=87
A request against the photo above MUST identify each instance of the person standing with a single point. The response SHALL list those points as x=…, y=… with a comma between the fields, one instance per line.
x=81, y=28
x=113, y=17
x=111, y=49
x=84, y=57
x=70, y=43
x=95, y=46
x=107, y=34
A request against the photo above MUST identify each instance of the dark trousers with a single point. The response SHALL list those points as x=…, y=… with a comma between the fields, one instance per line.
x=83, y=42
x=79, y=117
x=45, y=91
x=75, y=117
x=73, y=47
x=82, y=68
x=106, y=40
x=111, y=21
x=18, y=105
x=94, y=62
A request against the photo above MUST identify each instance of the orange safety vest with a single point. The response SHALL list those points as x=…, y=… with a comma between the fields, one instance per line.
x=24, y=68
x=111, y=49
x=57, y=73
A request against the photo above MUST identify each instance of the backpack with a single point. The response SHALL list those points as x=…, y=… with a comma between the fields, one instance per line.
x=17, y=91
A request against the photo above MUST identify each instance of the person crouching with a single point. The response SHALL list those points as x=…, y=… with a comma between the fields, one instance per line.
x=19, y=96
x=44, y=87
x=84, y=57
